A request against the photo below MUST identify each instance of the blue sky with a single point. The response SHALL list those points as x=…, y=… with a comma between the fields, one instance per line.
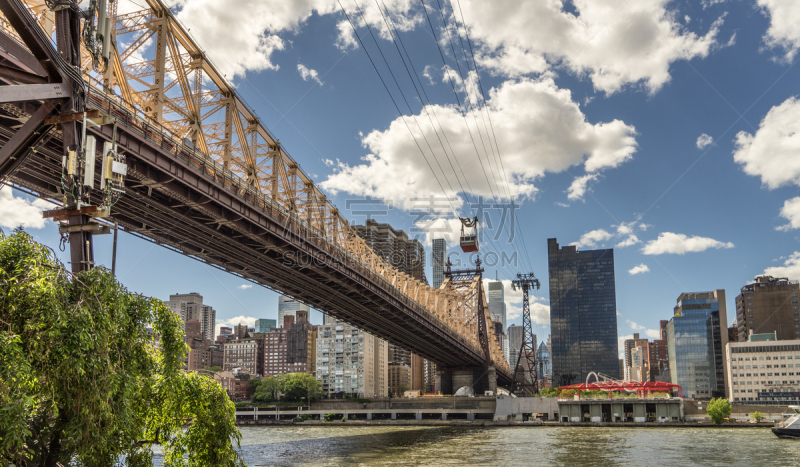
x=667, y=130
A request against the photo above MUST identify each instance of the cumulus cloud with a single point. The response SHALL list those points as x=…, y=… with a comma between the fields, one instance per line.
x=623, y=231
x=621, y=344
x=245, y=286
x=18, y=211
x=579, y=186
x=668, y=242
x=308, y=74
x=549, y=134
x=590, y=239
x=640, y=269
x=790, y=211
x=703, y=141
x=790, y=268
x=771, y=153
x=614, y=44
x=231, y=322
x=634, y=326
x=783, y=33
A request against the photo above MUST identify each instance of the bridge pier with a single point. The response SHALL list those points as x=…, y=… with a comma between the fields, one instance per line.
x=479, y=379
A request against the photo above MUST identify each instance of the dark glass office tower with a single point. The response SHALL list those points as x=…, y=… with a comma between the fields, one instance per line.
x=583, y=313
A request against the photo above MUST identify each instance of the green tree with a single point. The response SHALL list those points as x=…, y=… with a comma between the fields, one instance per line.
x=267, y=390
x=90, y=374
x=757, y=416
x=718, y=409
x=214, y=369
x=300, y=386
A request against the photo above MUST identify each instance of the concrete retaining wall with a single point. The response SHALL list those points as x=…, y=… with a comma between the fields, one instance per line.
x=521, y=408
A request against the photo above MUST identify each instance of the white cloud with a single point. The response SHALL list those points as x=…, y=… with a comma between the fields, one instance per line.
x=540, y=312
x=621, y=344
x=653, y=333
x=710, y=3
x=547, y=134
x=614, y=43
x=16, y=211
x=328, y=162
x=640, y=269
x=231, y=322
x=634, y=326
x=622, y=231
x=703, y=141
x=668, y=242
x=790, y=268
x=446, y=228
x=579, y=186
x=631, y=240
x=783, y=32
x=346, y=39
x=245, y=286
x=772, y=152
x=590, y=239
x=790, y=211
x=308, y=74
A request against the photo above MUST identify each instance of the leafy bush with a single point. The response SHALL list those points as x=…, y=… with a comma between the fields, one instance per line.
x=718, y=409
x=82, y=381
x=344, y=418
x=329, y=417
x=757, y=416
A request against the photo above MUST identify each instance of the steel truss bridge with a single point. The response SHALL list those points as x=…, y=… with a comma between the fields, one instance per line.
x=206, y=179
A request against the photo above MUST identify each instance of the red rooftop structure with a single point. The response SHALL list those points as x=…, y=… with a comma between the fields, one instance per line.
x=642, y=389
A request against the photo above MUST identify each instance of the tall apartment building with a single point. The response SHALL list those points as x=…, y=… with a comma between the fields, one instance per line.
x=516, y=334
x=246, y=354
x=767, y=305
x=639, y=359
x=630, y=344
x=202, y=353
x=263, y=326
x=287, y=306
x=583, y=313
x=696, y=338
x=438, y=260
x=658, y=363
x=190, y=306
x=351, y=361
x=291, y=348
x=764, y=372
x=406, y=255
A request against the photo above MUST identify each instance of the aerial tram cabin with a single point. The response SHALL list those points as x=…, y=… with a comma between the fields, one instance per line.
x=469, y=238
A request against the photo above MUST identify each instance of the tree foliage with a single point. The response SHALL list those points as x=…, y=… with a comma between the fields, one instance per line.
x=757, y=416
x=293, y=386
x=548, y=392
x=90, y=373
x=718, y=409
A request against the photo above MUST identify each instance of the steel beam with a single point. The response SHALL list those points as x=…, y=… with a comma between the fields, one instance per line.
x=33, y=92
x=11, y=154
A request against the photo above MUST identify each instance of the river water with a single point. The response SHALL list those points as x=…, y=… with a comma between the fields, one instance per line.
x=512, y=446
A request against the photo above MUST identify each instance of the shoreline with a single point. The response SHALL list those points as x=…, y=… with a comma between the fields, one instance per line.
x=491, y=423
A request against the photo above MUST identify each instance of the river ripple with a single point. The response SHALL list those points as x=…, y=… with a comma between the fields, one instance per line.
x=505, y=446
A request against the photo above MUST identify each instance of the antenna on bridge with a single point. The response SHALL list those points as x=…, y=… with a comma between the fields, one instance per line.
x=526, y=378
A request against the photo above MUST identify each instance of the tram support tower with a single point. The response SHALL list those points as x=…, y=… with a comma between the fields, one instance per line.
x=526, y=378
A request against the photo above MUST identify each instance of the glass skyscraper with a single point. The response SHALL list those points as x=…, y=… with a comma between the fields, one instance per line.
x=496, y=301
x=543, y=360
x=287, y=306
x=583, y=313
x=264, y=325
x=438, y=254
x=696, y=344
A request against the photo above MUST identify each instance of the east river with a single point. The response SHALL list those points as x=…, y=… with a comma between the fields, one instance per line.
x=512, y=446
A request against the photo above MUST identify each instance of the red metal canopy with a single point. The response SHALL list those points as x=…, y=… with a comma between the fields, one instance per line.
x=641, y=388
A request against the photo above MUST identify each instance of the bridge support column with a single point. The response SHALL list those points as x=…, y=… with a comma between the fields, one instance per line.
x=321, y=417
x=394, y=415
x=463, y=378
x=492, y=375
x=444, y=415
x=419, y=416
x=369, y=415
x=471, y=417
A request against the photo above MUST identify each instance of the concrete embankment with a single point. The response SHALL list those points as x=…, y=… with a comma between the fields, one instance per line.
x=492, y=423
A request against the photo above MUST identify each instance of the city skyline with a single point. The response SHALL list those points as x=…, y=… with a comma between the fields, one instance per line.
x=683, y=151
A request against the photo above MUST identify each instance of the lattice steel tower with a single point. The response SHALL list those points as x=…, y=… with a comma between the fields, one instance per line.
x=526, y=378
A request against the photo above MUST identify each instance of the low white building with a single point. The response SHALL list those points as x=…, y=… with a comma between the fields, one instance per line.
x=764, y=372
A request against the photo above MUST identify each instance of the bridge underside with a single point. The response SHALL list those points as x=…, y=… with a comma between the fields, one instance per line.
x=175, y=200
